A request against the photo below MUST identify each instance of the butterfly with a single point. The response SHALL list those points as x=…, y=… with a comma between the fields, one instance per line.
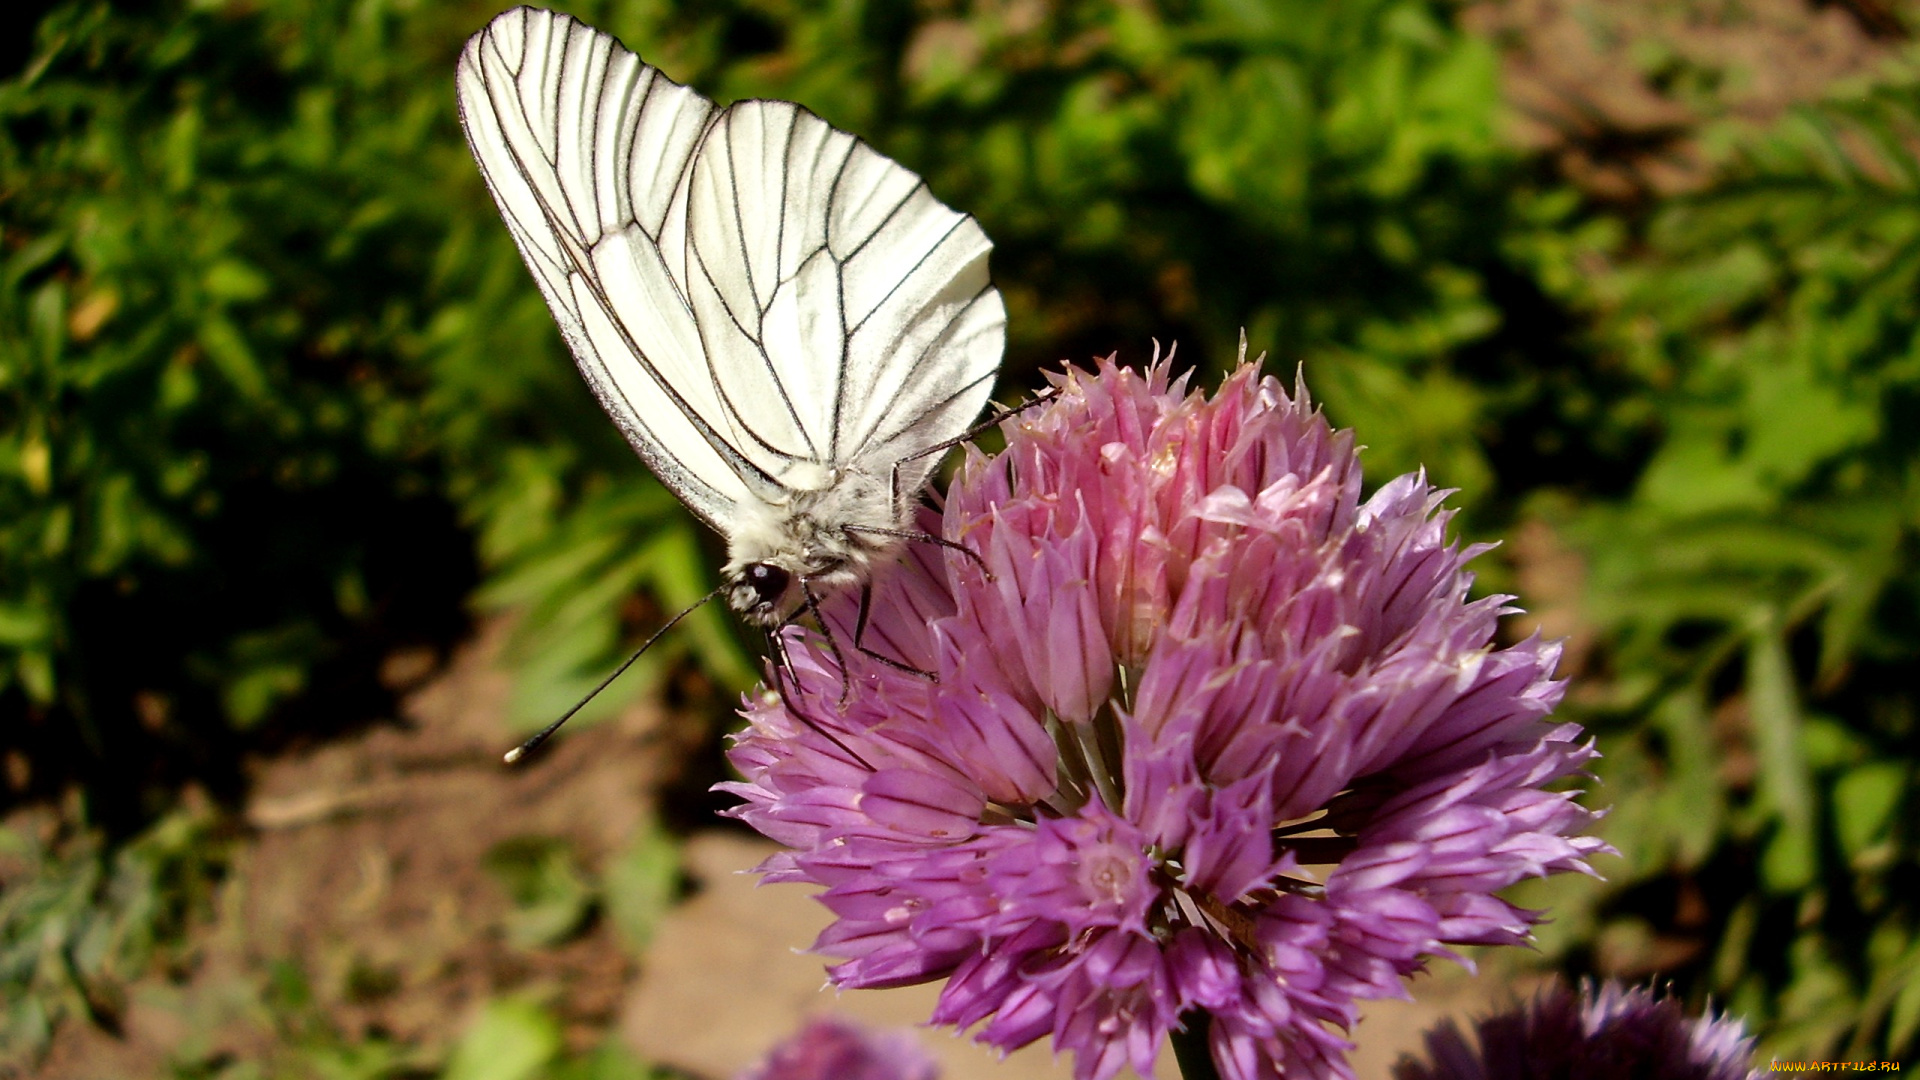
x=786, y=325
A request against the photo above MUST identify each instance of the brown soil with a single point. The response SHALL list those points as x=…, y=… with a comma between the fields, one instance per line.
x=1629, y=97
x=366, y=870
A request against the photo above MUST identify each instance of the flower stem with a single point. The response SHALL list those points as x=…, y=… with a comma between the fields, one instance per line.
x=1190, y=1047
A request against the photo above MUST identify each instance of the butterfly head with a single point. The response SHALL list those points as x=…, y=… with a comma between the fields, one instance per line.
x=767, y=587
x=758, y=591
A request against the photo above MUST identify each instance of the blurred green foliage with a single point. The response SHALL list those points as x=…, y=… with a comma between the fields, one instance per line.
x=79, y=922
x=553, y=899
x=515, y=1039
x=1327, y=176
x=276, y=397
x=505, y=1038
x=1759, y=590
x=271, y=386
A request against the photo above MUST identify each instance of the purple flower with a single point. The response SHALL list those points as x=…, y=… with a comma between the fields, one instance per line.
x=1596, y=1035
x=826, y=1048
x=1209, y=734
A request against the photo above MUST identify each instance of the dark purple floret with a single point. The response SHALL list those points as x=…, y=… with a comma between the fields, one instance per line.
x=1594, y=1035
x=827, y=1048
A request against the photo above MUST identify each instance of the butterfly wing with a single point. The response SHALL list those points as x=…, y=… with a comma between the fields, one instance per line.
x=745, y=289
x=846, y=312
x=586, y=151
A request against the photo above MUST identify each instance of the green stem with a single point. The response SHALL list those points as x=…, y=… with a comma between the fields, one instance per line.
x=1190, y=1048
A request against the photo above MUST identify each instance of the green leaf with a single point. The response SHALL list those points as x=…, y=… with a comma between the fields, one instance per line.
x=47, y=320
x=253, y=693
x=1789, y=864
x=552, y=899
x=510, y=1039
x=1691, y=809
x=610, y=1061
x=1865, y=802
x=231, y=279
x=373, y=1059
x=34, y=668
x=23, y=625
x=232, y=356
x=181, y=149
x=641, y=883
x=1903, y=1019
x=1696, y=473
x=1798, y=418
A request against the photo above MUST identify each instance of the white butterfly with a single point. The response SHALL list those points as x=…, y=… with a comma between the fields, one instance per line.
x=786, y=324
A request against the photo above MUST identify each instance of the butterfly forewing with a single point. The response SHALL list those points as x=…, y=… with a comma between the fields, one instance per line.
x=598, y=258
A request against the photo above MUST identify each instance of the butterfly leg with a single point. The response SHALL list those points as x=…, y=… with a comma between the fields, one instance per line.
x=782, y=665
x=866, y=588
x=782, y=662
x=917, y=536
x=812, y=606
x=860, y=634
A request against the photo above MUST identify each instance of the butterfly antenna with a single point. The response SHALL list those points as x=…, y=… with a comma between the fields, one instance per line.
x=1000, y=415
x=541, y=736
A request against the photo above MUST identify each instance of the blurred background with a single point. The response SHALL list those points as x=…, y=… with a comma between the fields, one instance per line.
x=305, y=514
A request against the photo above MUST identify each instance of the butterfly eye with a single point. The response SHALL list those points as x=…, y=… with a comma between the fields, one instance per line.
x=769, y=582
